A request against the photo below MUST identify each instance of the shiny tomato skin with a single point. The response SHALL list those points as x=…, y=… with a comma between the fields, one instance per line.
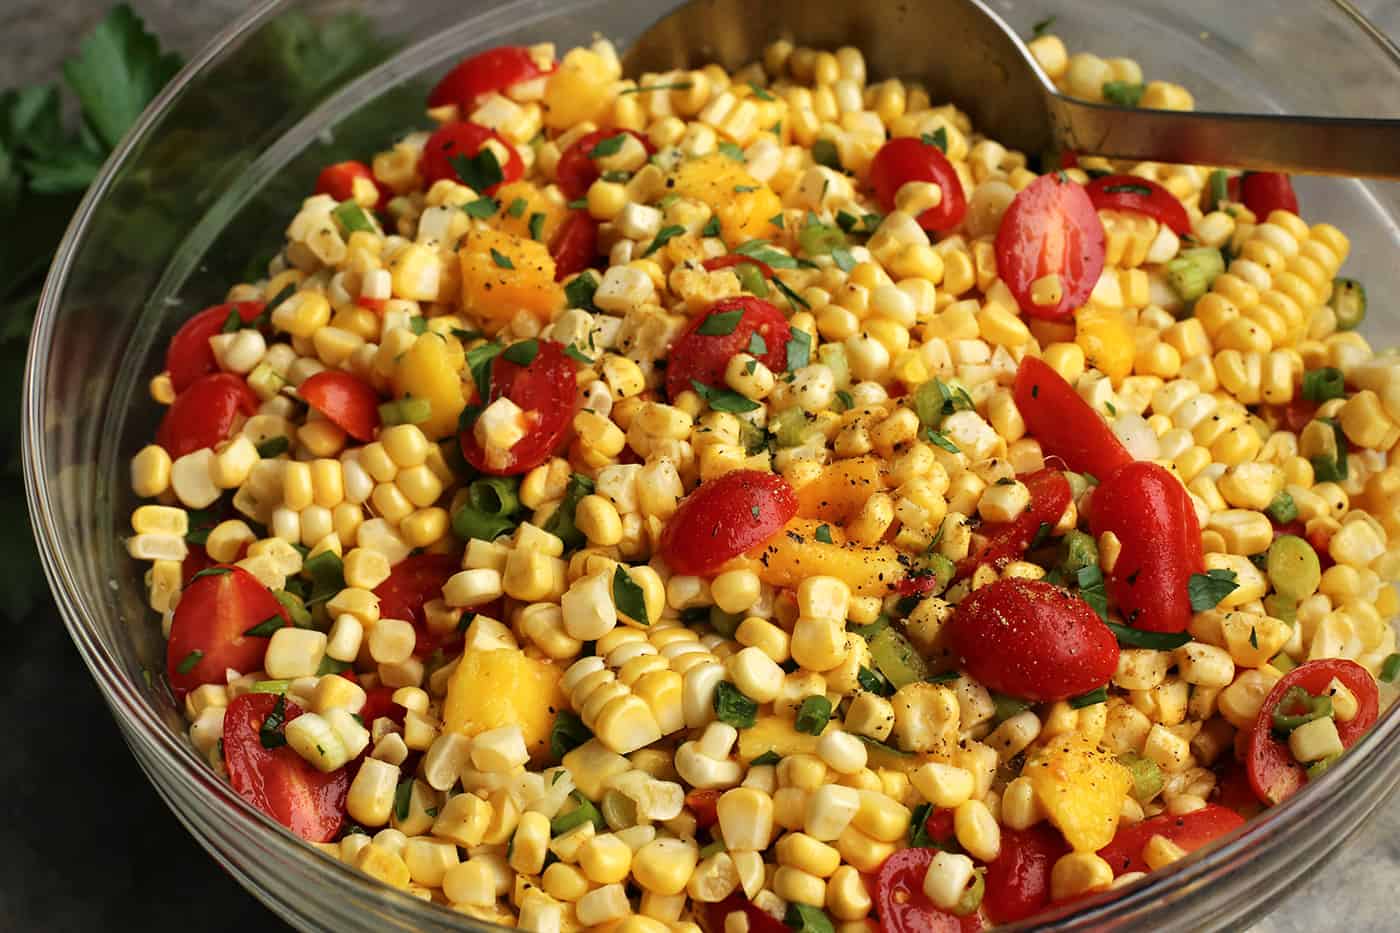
x=758, y=920
x=907, y=159
x=1050, y=228
x=703, y=803
x=1263, y=193
x=724, y=517
x=379, y=703
x=464, y=139
x=575, y=245
x=189, y=355
x=1153, y=517
x=1018, y=879
x=212, y=616
x=547, y=391
x=996, y=543
x=278, y=781
x=1032, y=640
x=1191, y=831
x=703, y=357
x=1274, y=774
x=493, y=70
x=346, y=400
x=901, y=903
x=1064, y=423
x=577, y=170
x=1158, y=203
x=729, y=260
x=415, y=580
x=204, y=414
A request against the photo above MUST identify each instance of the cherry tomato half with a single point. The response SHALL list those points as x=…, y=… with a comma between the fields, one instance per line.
x=338, y=181
x=204, y=414
x=278, y=781
x=348, y=401
x=493, y=70
x=1064, y=423
x=999, y=542
x=464, y=139
x=415, y=580
x=1151, y=513
x=758, y=920
x=1263, y=193
x=209, y=633
x=577, y=170
x=1030, y=639
x=1141, y=196
x=1191, y=831
x=1051, y=228
x=725, y=517
x=1274, y=774
x=1018, y=879
x=546, y=391
x=907, y=159
x=575, y=245
x=702, y=357
x=903, y=906
x=189, y=355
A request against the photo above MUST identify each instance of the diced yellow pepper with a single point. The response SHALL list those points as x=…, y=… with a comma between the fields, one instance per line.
x=504, y=274
x=515, y=219
x=1081, y=788
x=841, y=489
x=432, y=369
x=745, y=207
x=794, y=554
x=490, y=689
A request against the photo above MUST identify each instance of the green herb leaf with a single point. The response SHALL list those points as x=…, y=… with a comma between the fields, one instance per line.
x=673, y=86
x=517, y=207
x=733, y=708
x=567, y=734
x=561, y=521
x=1092, y=698
x=824, y=152
x=757, y=345
x=843, y=259
x=501, y=259
x=1390, y=668
x=1091, y=589
x=484, y=207
x=711, y=227
x=723, y=399
x=266, y=627
x=580, y=290
x=522, y=353
x=270, y=734
x=721, y=324
x=805, y=918
x=210, y=572
x=577, y=204
x=823, y=534
x=939, y=439
x=189, y=661
x=575, y=353
x=536, y=223
x=478, y=172
x=771, y=757
x=583, y=812
x=1042, y=27
x=732, y=150
x=1140, y=638
x=799, y=350
x=327, y=575
x=663, y=236
x=419, y=325
x=403, y=795
x=119, y=68
x=813, y=715
x=874, y=682
x=938, y=139
x=608, y=147
x=760, y=92
x=1206, y=590
x=846, y=399
x=629, y=597
x=1123, y=94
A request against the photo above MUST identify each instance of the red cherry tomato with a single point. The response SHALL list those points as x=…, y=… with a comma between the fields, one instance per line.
x=901, y=903
x=348, y=401
x=907, y=159
x=278, y=781
x=729, y=260
x=575, y=245
x=1064, y=423
x=338, y=181
x=196, y=559
x=1152, y=515
x=379, y=703
x=1274, y=774
x=546, y=391
x=414, y=581
x=725, y=517
x=1233, y=791
x=493, y=70
x=208, y=634
x=939, y=826
x=577, y=171
x=1263, y=193
x=704, y=805
x=204, y=414
x=464, y=139
x=703, y=357
x=1018, y=880
x=758, y=920
x=1191, y=831
x=1141, y=196
x=1051, y=228
x=1003, y=541
x=1029, y=639
x=189, y=355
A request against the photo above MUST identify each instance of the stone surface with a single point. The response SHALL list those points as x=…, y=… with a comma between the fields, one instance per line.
x=87, y=839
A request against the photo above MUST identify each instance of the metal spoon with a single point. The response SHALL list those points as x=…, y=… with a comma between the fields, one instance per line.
x=966, y=54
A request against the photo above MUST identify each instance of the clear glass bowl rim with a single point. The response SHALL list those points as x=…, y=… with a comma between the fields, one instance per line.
x=190, y=778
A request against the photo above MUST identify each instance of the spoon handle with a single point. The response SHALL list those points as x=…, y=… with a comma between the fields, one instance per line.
x=1368, y=148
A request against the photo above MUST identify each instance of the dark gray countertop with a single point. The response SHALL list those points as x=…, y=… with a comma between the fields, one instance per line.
x=87, y=843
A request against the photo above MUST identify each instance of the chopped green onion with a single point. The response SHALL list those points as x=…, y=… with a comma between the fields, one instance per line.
x=1390, y=668
x=873, y=682
x=896, y=658
x=1123, y=93
x=270, y=686
x=813, y=715
x=1218, y=189
x=1311, y=708
x=190, y=661
x=495, y=495
x=1283, y=509
x=265, y=628
x=971, y=899
x=608, y=147
x=1147, y=776
x=583, y=812
x=818, y=239
x=406, y=411
x=1077, y=551
x=1293, y=567
x=470, y=522
x=501, y=259
x=352, y=218
x=724, y=399
x=663, y=236
x=1191, y=273
x=1348, y=303
x=1006, y=706
x=733, y=708
x=648, y=88
x=1325, y=384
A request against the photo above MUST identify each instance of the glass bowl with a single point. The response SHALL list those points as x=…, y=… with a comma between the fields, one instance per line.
x=213, y=171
